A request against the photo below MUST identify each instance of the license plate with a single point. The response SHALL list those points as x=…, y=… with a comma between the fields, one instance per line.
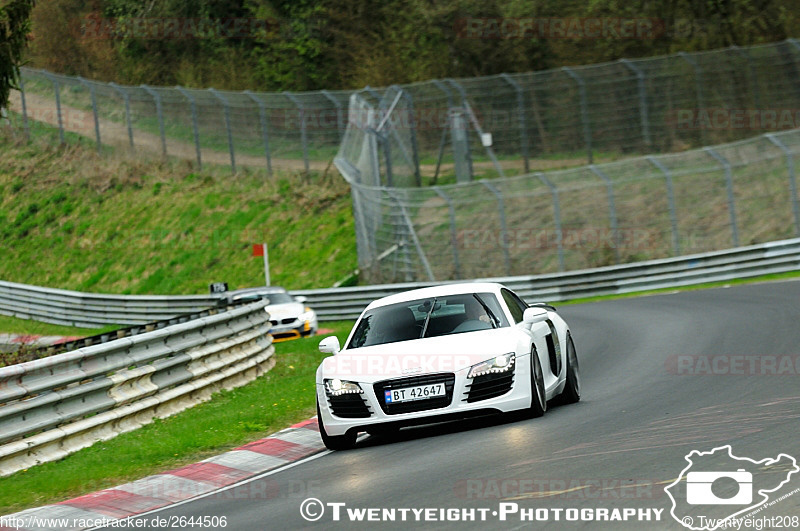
x=418, y=392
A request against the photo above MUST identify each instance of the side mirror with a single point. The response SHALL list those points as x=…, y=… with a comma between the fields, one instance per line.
x=330, y=345
x=534, y=315
x=301, y=298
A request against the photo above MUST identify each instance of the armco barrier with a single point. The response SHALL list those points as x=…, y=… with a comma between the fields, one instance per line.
x=743, y=262
x=57, y=405
x=331, y=304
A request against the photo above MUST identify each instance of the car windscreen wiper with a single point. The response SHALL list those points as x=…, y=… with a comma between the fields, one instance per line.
x=428, y=318
x=492, y=316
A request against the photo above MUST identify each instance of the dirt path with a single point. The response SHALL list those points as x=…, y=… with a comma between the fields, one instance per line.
x=42, y=109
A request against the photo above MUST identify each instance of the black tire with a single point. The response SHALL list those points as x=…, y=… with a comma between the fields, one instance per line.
x=572, y=389
x=335, y=442
x=538, y=397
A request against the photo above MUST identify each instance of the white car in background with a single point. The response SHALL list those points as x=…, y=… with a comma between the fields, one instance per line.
x=440, y=353
x=289, y=316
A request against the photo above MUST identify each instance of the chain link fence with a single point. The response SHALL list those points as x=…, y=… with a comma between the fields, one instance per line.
x=706, y=199
x=442, y=130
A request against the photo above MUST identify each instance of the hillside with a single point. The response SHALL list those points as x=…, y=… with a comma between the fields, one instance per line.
x=71, y=219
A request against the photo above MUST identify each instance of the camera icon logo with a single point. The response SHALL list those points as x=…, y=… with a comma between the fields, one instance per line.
x=699, y=488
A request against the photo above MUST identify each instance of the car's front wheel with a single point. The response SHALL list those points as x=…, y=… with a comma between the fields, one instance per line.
x=335, y=442
x=538, y=397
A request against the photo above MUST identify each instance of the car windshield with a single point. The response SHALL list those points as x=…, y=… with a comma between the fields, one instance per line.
x=431, y=317
x=277, y=297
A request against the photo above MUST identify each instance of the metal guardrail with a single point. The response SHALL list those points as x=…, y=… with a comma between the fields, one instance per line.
x=54, y=406
x=743, y=262
x=332, y=304
x=89, y=310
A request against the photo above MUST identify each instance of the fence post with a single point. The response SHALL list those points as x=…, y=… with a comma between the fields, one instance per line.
x=227, y=110
x=94, y=110
x=301, y=113
x=792, y=182
x=441, y=86
x=412, y=125
x=463, y=94
x=673, y=217
x=453, y=234
x=612, y=209
x=57, y=90
x=25, y=125
x=587, y=131
x=523, y=123
x=127, y=98
x=339, y=118
x=186, y=94
x=502, y=212
x=160, y=114
x=262, y=119
x=729, y=185
x=556, y=216
x=643, y=114
x=698, y=81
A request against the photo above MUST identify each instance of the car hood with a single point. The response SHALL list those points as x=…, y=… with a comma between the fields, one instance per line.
x=417, y=357
x=284, y=311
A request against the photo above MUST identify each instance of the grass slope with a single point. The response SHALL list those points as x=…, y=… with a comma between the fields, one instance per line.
x=71, y=219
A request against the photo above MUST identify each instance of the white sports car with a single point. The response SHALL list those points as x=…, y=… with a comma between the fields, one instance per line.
x=440, y=353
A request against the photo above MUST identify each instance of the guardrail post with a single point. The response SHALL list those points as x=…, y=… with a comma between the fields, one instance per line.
x=441, y=86
x=698, y=81
x=792, y=181
x=186, y=94
x=25, y=125
x=640, y=82
x=523, y=124
x=301, y=113
x=227, y=109
x=413, y=233
x=612, y=209
x=556, y=217
x=587, y=131
x=160, y=114
x=339, y=117
x=502, y=213
x=673, y=217
x=57, y=90
x=729, y=185
x=94, y=111
x=453, y=234
x=127, y=98
x=262, y=119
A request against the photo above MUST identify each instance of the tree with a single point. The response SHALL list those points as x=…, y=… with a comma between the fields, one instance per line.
x=15, y=16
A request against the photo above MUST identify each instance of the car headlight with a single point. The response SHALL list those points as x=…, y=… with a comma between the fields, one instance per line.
x=307, y=315
x=336, y=387
x=501, y=363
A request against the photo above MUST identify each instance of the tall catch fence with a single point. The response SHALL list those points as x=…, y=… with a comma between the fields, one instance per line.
x=429, y=132
x=712, y=198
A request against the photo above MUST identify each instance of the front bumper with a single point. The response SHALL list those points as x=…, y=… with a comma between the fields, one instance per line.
x=362, y=411
x=292, y=329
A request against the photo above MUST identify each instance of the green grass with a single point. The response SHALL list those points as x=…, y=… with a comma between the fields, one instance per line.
x=280, y=398
x=71, y=219
x=15, y=325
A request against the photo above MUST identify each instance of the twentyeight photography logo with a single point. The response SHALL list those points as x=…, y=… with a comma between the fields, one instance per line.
x=720, y=490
